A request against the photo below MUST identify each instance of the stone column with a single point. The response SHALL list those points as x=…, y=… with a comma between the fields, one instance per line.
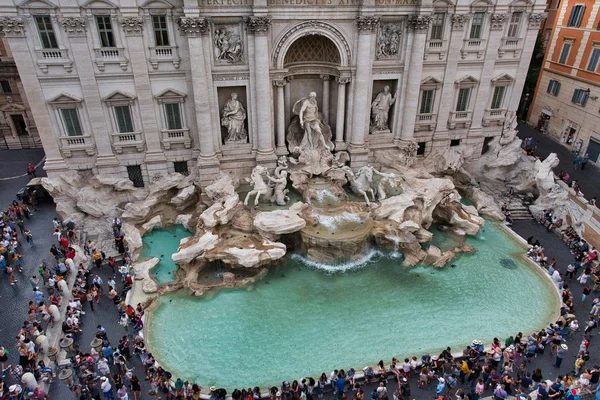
x=259, y=27
x=280, y=84
x=362, y=86
x=420, y=25
x=155, y=157
x=341, y=109
x=325, y=102
x=288, y=99
x=194, y=28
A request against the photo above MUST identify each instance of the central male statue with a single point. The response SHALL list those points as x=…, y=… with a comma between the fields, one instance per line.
x=308, y=112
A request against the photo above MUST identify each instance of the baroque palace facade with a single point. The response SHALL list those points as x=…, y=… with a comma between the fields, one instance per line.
x=130, y=88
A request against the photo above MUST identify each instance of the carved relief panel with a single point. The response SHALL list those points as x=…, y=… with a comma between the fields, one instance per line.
x=228, y=44
x=389, y=39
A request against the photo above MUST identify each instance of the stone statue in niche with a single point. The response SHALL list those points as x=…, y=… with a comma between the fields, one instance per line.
x=232, y=118
x=228, y=45
x=388, y=42
x=380, y=110
x=310, y=123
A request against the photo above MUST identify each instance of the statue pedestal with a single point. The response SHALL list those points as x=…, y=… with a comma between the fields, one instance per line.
x=359, y=156
x=268, y=160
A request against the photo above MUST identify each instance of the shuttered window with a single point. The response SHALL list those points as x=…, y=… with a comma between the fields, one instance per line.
x=71, y=121
x=123, y=116
x=173, y=116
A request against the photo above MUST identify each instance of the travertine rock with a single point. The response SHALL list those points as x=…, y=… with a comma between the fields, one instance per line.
x=184, y=219
x=132, y=235
x=484, y=203
x=186, y=254
x=142, y=269
x=228, y=279
x=155, y=222
x=551, y=194
x=221, y=188
x=280, y=222
x=185, y=197
x=220, y=212
x=254, y=257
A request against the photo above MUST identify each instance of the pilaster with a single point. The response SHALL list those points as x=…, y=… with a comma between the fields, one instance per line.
x=259, y=26
x=367, y=26
x=155, y=157
x=195, y=28
x=420, y=25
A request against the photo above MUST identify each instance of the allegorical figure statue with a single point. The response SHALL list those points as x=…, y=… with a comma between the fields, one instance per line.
x=232, y=118
x=380, y=110
x=308, y=112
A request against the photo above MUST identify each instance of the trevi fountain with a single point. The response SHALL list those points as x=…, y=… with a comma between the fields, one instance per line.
x=312, y=265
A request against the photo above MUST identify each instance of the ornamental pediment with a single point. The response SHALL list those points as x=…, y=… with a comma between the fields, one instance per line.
x=12, y=107
x=170, y=94
x=482, y=4
x=37, y=4
x=65, y=98
x=119, y=96
x=157, y=4
x=520, y=3
x=431, y=80
x=438, y=4
x=99, y=4
x=504, y=78
x=466, y=81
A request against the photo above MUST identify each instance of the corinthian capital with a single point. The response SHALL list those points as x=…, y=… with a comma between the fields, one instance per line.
x=459, y=21
x=419, y=23
x=536, y=19
x=193, y=26
x=12, y=26
x=132, y=25
x=367, y=23
x=74, y=26
x=258, y=24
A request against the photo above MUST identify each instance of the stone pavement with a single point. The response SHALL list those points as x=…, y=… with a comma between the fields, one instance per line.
x=587, y=179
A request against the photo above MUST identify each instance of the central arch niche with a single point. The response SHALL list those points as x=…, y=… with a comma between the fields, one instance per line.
x=312, y=49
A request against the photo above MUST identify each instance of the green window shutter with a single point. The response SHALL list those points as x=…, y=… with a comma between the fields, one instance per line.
x=498, y=97
x=463, y=99
x=46, y=32
x=123, y=116
x=71, y=121
x=161, y=33
x=173, y=116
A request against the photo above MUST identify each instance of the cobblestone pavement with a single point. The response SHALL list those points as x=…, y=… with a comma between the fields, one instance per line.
x=587, y=179
x=14, y=302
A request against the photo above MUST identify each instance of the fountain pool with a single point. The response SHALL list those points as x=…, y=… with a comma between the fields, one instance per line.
x=162, y=243
x=303, y=318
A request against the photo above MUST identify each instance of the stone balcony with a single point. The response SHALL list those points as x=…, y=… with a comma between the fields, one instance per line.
x=69, y=144
x=477, y=46
x=121, y=141
x=510, y=45
x=49, y=57
x=436, y=46
x=172, y=137
x=460, y=118
x=111, y=55
x=494, y=115
x=168, y=54
x=426, y=121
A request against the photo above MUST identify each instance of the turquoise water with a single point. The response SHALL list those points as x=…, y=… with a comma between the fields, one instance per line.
x=162, y=243
x=301, y=319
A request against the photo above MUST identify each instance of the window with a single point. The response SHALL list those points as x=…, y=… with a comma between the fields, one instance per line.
x=553, y=87
x=5, y=85
x=46, y=31
x=161, y=34
x=564, y=54
x=576, y=15
x=123, y=116
x=105, y=31
x=454, y=142
x=593, y=64
x=427, y=97
x=513, y=26
x=421, y=149
x=181, y=167
x=71, y=122
x=437, y=26
x=477, y=25
x=173, y=116
x=498, y=97
x=580, y=96
x=135, y=175
x=462, y=104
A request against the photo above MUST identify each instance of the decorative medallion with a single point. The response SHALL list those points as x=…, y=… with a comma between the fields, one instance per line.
x=132, y=25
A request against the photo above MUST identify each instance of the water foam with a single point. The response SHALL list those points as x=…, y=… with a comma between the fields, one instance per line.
x=333, y=221
x=344, y=266
x=322, y=194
